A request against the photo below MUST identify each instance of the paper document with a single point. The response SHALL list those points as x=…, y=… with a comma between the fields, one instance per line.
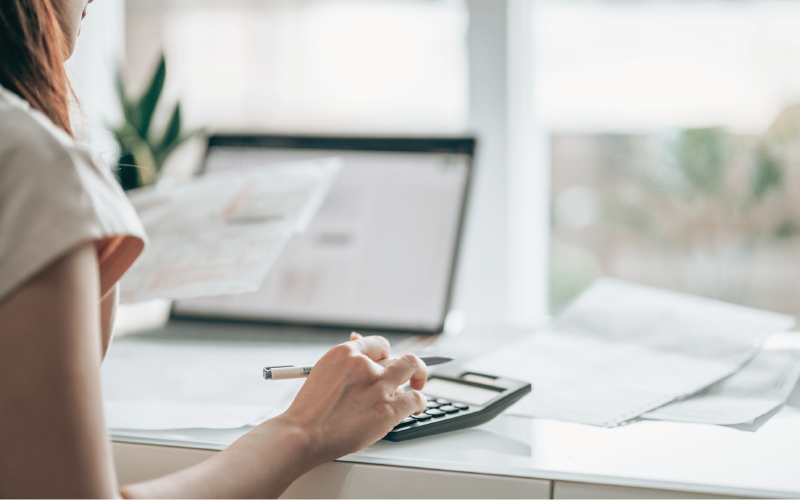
x=621, y=350
x=761, y=386
x=161, y=415
x=176, y=384
x=220, y=234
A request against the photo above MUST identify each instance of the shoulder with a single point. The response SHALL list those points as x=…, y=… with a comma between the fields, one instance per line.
x=39, y=177
x=41, y=160
x=54, y=194
x=28, y=141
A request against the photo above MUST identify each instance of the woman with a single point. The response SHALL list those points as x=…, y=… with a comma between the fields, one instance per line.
x=67, y=234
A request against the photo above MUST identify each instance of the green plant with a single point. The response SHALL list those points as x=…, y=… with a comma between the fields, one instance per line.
x=701, y=210
x=143, y=152
x=715, y=190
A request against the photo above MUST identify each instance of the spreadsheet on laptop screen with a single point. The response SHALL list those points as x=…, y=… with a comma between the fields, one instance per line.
x=379, y=252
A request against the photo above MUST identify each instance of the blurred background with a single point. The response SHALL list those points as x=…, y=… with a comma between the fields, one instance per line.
x=650, y=140
x=673, y=133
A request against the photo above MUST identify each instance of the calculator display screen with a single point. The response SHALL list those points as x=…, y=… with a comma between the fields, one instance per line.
x=462, y=393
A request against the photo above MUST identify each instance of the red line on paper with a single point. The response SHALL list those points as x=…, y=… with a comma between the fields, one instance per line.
x=233, y=206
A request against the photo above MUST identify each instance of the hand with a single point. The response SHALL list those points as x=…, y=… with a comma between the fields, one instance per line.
x=349, y=401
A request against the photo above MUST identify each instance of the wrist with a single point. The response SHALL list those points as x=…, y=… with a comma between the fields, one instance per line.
x=305, y=442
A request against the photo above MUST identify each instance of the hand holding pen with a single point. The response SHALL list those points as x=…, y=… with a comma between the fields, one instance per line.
x=349, y=401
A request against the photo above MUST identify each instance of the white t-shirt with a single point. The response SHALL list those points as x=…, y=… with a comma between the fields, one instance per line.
x=54, y=196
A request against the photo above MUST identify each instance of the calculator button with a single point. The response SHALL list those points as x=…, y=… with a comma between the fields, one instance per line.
x=443, y=401
x=461, y=406
x=433, y=412
x=449, y=409
x=432, y=404
x=421, y=417
x=405, y=422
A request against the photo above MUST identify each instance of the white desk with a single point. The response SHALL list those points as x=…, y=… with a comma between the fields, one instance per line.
x=512, y=452
x=517, y=457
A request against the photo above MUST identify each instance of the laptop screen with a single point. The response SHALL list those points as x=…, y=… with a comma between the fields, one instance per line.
x=381, y=250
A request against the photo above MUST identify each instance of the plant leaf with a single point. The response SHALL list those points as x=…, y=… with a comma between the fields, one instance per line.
x=162, y=155
x=172, y=132
x=132, y=143
x=148, y=153
x=146, y=163
x=126, y=136
x=149, y=100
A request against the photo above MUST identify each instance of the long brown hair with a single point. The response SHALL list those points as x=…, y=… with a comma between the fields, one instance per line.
x=32, y=54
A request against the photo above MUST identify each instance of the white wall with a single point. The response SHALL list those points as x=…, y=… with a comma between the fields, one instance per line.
x=504, y=260
x=98, y=54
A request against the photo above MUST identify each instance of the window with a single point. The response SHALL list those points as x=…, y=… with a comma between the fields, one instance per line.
x=673, y=145
x=320, y=66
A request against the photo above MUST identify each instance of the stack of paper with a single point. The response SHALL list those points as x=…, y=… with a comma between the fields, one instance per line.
x=761, y=386
x=220, y=234
x=621, y=350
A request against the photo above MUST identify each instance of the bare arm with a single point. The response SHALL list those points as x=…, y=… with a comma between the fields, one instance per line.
x=51, y=425
x=108, y=313
x=54, y=442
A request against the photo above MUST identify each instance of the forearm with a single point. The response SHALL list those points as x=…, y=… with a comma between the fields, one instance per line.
x=261, y=464
x=108, y=313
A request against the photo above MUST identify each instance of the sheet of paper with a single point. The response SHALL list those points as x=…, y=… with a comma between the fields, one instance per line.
x=759, y=387
x=621, y=350
x=172, y=384
x=157, y=415
x=220, y=234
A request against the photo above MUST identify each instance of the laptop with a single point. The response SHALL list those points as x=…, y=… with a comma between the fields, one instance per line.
x=381, y=252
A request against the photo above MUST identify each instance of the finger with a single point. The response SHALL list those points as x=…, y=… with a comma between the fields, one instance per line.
x=355, y=336
x=411, y=402
x=407, y=367
x=374, y=347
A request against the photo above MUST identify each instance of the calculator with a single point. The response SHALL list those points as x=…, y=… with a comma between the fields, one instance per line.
x=458, y=399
